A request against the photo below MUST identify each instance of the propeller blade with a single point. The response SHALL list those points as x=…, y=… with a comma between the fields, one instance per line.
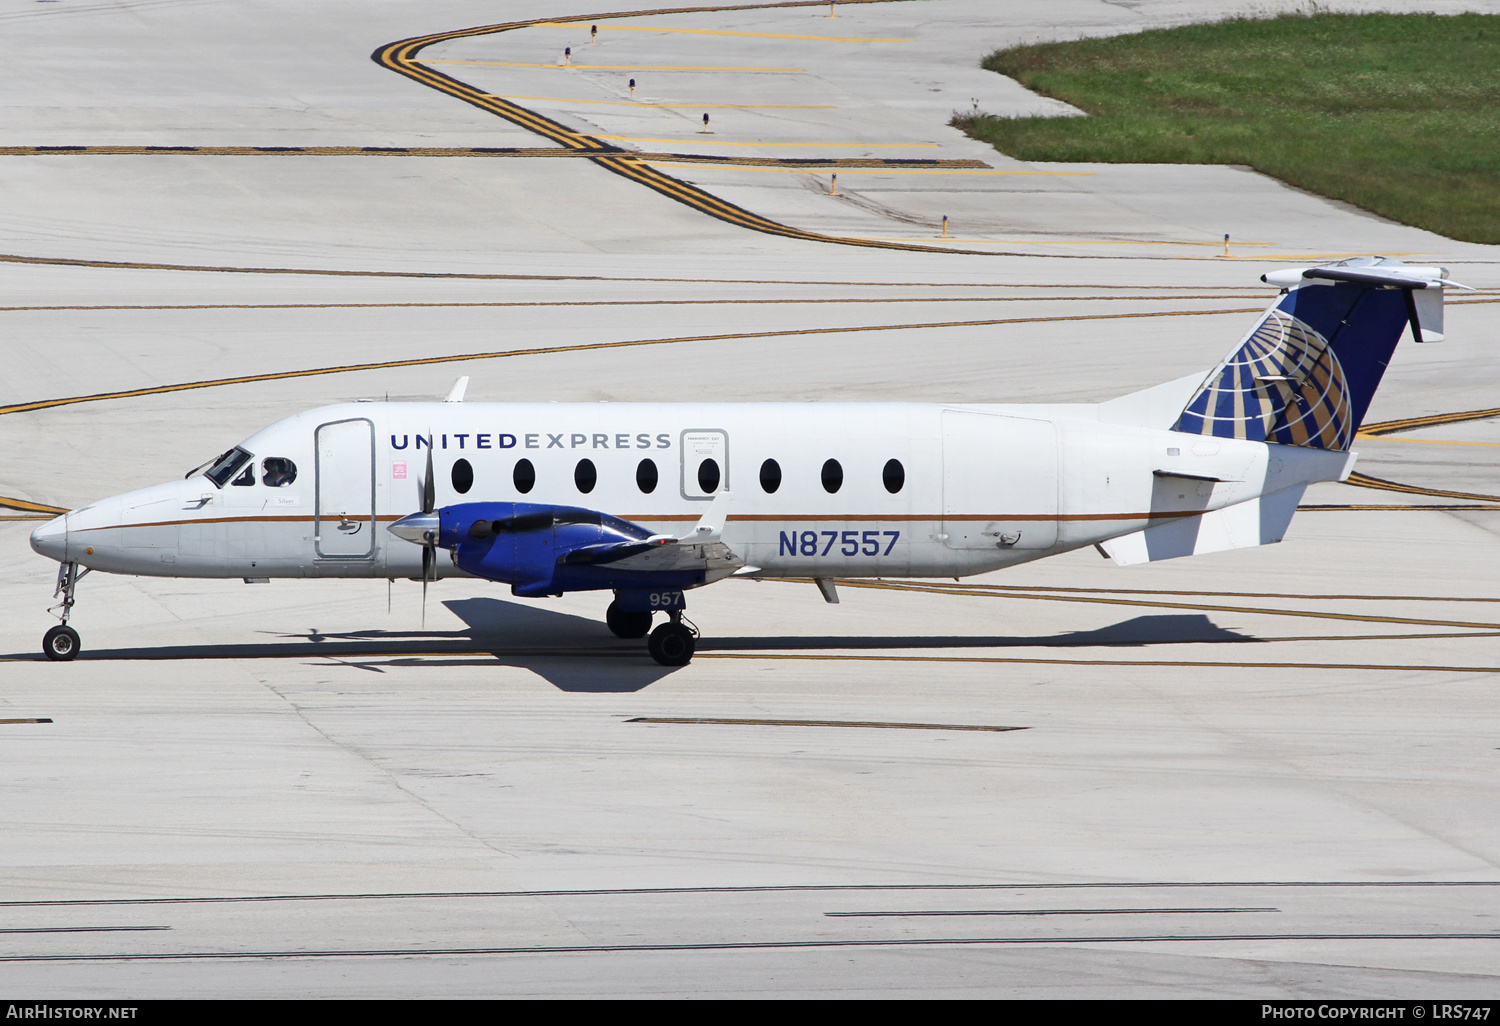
x=426, y=569
x=429, y=486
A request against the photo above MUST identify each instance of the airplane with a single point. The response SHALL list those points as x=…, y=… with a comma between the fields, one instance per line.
x=652, y=500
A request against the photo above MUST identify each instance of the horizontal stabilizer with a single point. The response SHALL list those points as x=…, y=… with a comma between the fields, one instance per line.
x=1261, y=521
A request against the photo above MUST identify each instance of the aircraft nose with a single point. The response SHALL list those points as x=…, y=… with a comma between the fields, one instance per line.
x=51, y=539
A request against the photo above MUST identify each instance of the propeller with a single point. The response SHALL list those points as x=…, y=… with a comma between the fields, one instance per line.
x=422, y=528
x=430, y=532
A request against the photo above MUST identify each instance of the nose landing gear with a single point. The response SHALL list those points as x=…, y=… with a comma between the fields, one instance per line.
x=61, y=642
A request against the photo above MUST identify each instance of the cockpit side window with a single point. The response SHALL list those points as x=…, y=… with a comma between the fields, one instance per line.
x=247, y=478
x=227, y=465
x=277, y=472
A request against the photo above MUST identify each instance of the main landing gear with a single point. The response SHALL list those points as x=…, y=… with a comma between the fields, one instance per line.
x=672, y=643
x=61, y=642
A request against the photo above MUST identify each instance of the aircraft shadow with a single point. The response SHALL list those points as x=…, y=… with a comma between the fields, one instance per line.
x=579, y=654
x=1141, y=631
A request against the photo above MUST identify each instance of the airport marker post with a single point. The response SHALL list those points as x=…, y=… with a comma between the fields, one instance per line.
x=834, y=181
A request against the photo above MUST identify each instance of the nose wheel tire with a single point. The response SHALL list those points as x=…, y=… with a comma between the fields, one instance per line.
x=672, y=644
x=624, y=624
x=61, y=643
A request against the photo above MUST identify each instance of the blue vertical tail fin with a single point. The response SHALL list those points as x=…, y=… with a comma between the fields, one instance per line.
x=1307, y=371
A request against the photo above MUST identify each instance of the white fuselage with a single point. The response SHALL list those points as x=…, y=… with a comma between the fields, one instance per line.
x=981, y=487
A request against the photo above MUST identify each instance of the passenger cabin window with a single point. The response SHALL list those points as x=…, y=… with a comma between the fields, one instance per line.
x=770, y=476
x=893, y=476
x=277, y=472
x=226, y=466
x=524, y=476
x=585, y=476
x=645, y=476
x=463, y=476
x=833, y=476
x=708, y=475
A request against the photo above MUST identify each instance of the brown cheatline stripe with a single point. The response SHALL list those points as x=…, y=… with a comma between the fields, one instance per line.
x=481, y=151
x=138, y=265
x=401, y=57
x=42, y=719
x=814, y=723
x=1195, y=663
x=1161, y=604
x=585, y=347
x=616, y=302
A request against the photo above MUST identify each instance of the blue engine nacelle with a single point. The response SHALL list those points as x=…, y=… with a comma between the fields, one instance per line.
x=547, y=550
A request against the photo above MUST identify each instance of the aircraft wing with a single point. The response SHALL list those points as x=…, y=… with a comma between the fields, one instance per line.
x=702, y=548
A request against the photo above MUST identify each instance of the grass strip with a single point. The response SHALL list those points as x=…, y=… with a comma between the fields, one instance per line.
x=1398, y=114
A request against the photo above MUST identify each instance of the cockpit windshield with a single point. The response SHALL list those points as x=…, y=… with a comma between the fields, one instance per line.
x=226, y=466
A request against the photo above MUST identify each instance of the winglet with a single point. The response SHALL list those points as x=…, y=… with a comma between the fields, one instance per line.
x=710, y=527
x=456, y=393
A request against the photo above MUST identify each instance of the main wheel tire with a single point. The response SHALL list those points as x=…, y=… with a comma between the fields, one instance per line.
x=625, y=624
x=60, y=643
x=671, y=644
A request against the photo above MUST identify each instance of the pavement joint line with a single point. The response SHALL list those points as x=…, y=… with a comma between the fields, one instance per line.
x=862, y=942
x=137, y=265
x=584, y=347
x=1045, y=912
x=814, y=723
x=595, y=892
x=859, y=300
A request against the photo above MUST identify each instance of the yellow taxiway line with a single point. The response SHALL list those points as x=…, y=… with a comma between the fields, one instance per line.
x=723, y=32
x=769, y=145
x=694, y=106
x=793, y=169
x=614, y=67
x=423, y=361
